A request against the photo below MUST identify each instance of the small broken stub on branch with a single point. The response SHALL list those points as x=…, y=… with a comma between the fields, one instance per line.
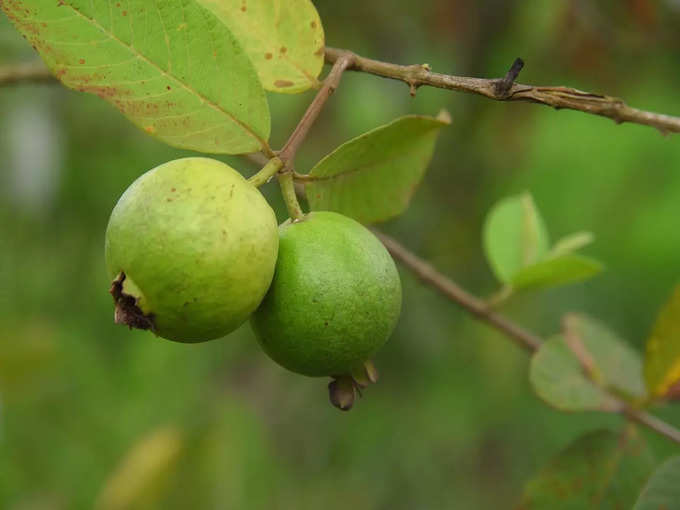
x=127, y=312
x=503, y=86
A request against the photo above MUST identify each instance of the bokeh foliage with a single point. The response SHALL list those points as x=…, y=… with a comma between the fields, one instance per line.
x=453, y=414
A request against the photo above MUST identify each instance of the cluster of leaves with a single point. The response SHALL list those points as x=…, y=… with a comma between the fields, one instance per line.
x=586, y=368
x=193, y=73
x=518, y=248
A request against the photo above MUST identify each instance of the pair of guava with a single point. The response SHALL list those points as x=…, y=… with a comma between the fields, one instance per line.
x=193, y=250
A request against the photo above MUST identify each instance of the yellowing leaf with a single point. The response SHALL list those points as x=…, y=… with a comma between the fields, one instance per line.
x=170, y=67
x=142, y=474
x=283, y=38
x=662, y=360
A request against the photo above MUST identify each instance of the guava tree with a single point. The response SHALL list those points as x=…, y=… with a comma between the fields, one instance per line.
x=193, y=250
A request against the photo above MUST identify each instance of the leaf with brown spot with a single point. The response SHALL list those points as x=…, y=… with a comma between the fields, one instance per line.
x=282, y=84
x=172, y=68
x=282, y=38
x=600, y=470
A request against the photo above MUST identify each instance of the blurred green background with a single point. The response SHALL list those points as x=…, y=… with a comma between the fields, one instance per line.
x=90, y=412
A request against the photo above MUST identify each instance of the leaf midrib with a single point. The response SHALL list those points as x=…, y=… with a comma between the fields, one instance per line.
x=263, y=143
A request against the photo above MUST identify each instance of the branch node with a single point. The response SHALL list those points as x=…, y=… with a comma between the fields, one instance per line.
x=502, y=87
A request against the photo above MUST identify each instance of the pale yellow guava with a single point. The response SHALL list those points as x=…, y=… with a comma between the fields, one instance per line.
x=191, y=248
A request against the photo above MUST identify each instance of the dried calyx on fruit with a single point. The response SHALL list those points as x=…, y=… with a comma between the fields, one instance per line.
x=191, y=248
x=334, y=301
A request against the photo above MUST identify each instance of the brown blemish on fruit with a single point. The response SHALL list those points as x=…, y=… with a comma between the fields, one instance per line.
x=127, y=312
x=81, y=61
x=150, y=129
x=268, y=56
x=124, y=13
x=173, y=189
x=319, y=52
x=313, y=24
x=283, y=49
x=283, y=83
x=169, y=87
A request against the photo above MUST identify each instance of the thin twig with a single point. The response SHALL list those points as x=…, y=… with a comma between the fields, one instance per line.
x=557, y=97
x=653, y=423
x=331, y=82
x=29, y=72
x=287, y=153
x=418, y=75
x=451, y=290
x=430, y=276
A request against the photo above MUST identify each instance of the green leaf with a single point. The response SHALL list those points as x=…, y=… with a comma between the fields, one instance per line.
x=171, y=67
x=515, y=236
x=662, y=360
x=553, y=272
x=571, y=243
x=284, y=39
x=600, y=470
x=663, y=488
x=576, y=373
x=372, y=177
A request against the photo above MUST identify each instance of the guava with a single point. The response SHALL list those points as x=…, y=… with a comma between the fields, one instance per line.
x=191, y=248
x=334, y=300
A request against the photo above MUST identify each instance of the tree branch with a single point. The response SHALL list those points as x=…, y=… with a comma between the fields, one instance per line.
x=557, y=97
x=418, y=75
x=453, y=292
x=652, y=422
x=28, y=72
x=430, y=276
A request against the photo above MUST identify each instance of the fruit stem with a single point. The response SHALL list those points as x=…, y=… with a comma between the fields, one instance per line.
x=266, y=173
x=289, y=197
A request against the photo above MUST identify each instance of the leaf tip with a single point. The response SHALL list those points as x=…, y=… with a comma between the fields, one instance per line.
x=444, y=116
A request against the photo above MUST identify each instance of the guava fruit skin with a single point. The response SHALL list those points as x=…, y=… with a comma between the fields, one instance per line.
x=197, y=244
x=334, y=300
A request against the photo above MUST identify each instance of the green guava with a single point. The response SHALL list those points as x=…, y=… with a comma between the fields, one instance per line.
x=334, y=300
x=191, y=248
